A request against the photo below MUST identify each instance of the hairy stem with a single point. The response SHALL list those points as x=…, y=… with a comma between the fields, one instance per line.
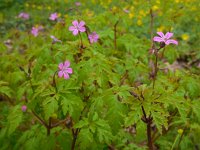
x=54, y=81
x=49, y=127
x=115, y=35
x=150, y=142
x=75, y=134
x=76, y=131
x=155, y=68
x=40, y=119
x=81, y=42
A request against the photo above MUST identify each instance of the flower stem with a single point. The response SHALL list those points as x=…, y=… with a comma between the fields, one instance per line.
x=81, y=43
x=177, y=137
x=115, y=35
x=54, y=81
x=155, y=68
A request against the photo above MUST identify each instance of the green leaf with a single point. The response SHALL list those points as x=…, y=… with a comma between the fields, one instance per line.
x=85, y=138
x=82, y=123
x=14, y=119
x=103, y=131
x=160, y=117
x=50, y=106
x=71, y=104
x=196, y=108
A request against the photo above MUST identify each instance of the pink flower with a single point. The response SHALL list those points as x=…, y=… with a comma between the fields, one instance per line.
x=35, y=30
x=93, y=37
x=165, y=38
x=24, y=108
x=77, y=27
x=126, y=10
x=23, y=15
x=53, y=16
x=77, y=3
x=64, y=70
x=55, y=39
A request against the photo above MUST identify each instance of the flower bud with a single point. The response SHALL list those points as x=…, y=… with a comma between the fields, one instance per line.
x=180, y=131
x=24, y=108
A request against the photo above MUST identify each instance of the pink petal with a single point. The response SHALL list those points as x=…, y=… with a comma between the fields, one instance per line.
x=158, y=39
x=53, y=37
x=60, y=74
x=95, y=40
x=60, y=66
x=72, y=28
x=82, y=29
x=66, y=76
x=171, y=42
x=96, y=36
x=75, y=32
x=91, y=40
x=168, y=35
x=161, y=34
x=75, y=23
x=81, y=24
x=67, y=64
x=69, y=70
x=90, y=36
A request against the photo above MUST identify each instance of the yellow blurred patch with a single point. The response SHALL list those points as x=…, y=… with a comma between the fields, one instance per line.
x=66, y=16
x=131, y=15
x=114, y=9
x=155, y=7
x=139, y=22
x=185, y=37
x=49, y=7
x=27, y=5
x=33, y=6
x=132, y=8
x=142, y=13
x=39, y=7
x=59, y=14
x=158, y=1
x=161, y=28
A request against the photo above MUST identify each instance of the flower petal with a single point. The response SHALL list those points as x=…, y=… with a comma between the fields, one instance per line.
x=171, y=42
x=69, y=70
x=82, y=29
x=81, y=24
x=168, y=35
x=60, y=66
x=161, y=34
x=75, y=32
x=53, y=37
x=66, y=76
x=60, y=74
x=91, y=41
x=72, y=28
x=75, y=23
x=158, y=39
x=66, y=64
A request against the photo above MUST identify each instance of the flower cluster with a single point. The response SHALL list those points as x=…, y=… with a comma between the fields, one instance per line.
x=80, y=27
x=55, y=40
x=35, y=30
x=53, y=16
x=93, y=37
x=24, y=16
